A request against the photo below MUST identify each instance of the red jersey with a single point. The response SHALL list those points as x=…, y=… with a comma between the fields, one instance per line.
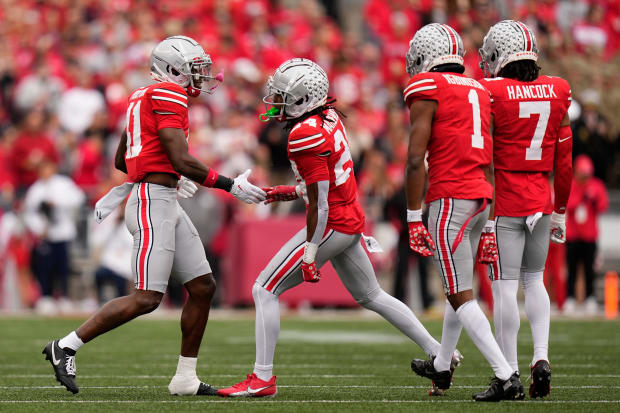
x=151, y=108
x=319, y=151
x=460, y=144
x=527, y=119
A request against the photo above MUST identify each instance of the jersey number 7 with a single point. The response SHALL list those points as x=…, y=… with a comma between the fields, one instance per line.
x=543, y=109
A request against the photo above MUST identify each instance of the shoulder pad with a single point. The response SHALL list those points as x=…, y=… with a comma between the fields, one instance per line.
x=168, y=97
x=421, y=86
x=306, y=136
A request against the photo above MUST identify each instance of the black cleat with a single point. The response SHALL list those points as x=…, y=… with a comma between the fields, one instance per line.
x=63, y=362
x=510, y=389
x=541, y=379
x=454, y=363
x=206, y=390
x=425, y=368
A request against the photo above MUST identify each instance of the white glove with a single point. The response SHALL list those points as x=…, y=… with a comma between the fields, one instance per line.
x=245, y=191
x=558, y=228
x=186, y=188
x=301, y=190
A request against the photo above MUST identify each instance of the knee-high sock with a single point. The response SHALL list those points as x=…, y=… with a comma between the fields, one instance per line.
x=401, y=317
x=506, y=318
x=449, y=338
x=538, y=311
x=267, y=329
x=479, y=330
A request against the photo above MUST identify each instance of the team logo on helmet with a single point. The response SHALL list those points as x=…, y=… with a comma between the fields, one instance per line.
x=506, y=42
x=433, y=45
x=298, y=86
x=181, y=60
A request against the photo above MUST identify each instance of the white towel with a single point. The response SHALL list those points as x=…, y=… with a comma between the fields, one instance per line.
x=111, y=200
x=372, y=245
x=532, y=220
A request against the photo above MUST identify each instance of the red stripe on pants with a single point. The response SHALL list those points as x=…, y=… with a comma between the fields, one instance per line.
x=292, y=260
x=444, y=250
x=146, y=237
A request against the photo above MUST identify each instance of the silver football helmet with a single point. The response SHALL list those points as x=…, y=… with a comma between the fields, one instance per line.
x=181, y=60
x=297, y=87
x=433, y=45
x=507, y=41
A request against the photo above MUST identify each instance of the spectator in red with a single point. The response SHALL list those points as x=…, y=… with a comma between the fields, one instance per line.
x=588, y=199
x=31, y=147
x=591, y=35
x=89, y=163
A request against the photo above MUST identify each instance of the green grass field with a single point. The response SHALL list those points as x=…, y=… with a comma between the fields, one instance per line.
x=342, y=364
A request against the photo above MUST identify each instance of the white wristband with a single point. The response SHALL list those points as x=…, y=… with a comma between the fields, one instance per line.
x=489, y=227
x=310, y=252
x=414, y=215
x=558, y=218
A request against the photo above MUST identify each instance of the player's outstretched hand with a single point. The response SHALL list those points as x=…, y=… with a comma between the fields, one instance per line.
x=487, y=248
x=186, y=188
x=558, y=228
x=310, y=272
x=420, y=240
x=282, y=193
x=243, y=190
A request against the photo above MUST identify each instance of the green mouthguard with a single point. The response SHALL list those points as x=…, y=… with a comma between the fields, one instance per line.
x=264, y=117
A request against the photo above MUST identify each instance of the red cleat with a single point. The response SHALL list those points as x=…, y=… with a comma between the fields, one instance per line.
x=252, y=386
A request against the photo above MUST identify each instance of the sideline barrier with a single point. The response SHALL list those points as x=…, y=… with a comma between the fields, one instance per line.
x=252, y=244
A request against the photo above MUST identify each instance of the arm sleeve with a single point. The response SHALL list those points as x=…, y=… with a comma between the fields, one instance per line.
x=563, y=164
x=169, y=103
x=322, y=213
x=420, y=87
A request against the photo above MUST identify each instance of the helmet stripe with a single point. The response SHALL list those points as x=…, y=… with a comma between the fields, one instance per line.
x=451, y=37
x=527, y=37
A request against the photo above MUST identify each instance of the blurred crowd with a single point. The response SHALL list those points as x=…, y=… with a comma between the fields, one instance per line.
x=68, y=66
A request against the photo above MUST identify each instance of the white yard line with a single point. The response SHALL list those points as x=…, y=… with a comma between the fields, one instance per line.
x=194, y=401
x=312, y=376
x=296, y=386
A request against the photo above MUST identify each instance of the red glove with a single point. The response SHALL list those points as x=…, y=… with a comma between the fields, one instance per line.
x=419, y=238
x=310, y=272
x=487, y=248
x=280, y=193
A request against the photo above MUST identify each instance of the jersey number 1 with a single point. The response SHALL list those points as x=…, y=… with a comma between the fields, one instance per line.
x=134, y=143
x=477, y=140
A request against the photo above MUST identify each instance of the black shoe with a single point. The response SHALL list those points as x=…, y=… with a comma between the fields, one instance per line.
x=510, y=389
x=541, y=379
x=206, y=390
x=454, y=363
x=63, y=362
x=426, y=368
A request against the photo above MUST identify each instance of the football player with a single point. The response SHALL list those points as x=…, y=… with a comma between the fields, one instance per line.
x=531, y=139
x=153, y=153
x=450, y=117
x=320, y=158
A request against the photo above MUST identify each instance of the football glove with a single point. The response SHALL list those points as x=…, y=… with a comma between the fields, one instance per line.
x=282, y=193
x=420, y=240
x=310, y=272
x=245, y=191
x=487, y=248
x=558, y=228
x=186, y=188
